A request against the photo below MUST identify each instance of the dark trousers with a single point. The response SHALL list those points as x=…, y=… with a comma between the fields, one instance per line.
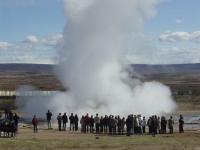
x=76, y=126
x=72, y=126
x=16, y=126
x=91, y=128
x=105, y=128
x=163, y=130
x=128, y=130
x=35, y=128
x=143, y=128
x=87, y=128
x=171, y=130
x=97, y=128
x=181, y=129
x=49, y=124
x=150, y=129
x=59, y=126
x=64, y=125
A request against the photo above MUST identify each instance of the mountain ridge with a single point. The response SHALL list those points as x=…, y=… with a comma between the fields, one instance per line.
x=140, y=68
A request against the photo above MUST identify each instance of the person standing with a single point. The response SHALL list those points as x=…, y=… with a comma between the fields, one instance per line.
x=48, y=116
x=149, y=125
x=158, y=125
x=35, y=123
x=82, y=122
x=153, y=126
x=163, y=125
x=65, y=121
x=71, y=119
x=144, y=125
x=91, y=124
x=171, y=125
x=119, y=125
x=101, y=125
x=59, y=118
x=87, y=122
x=181, y=123
x=76, y=119
x=140, y=128
x=16, y=121
x=128, y=125
x=97, y=123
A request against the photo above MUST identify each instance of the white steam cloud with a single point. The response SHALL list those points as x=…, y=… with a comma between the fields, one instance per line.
x=96, y=34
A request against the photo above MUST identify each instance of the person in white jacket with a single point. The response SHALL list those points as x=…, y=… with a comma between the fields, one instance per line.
x=97, y=123
x=144, y=122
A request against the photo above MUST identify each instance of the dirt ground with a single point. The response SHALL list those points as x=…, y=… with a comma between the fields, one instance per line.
x=55, y=140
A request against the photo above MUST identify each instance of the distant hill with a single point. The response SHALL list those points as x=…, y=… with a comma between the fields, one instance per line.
x=167, y=69
x=41, y=76
x=26, y=67
x=140, y=68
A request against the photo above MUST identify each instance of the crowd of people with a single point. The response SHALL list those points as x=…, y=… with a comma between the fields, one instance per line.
x=113, y=125
x=8, y=123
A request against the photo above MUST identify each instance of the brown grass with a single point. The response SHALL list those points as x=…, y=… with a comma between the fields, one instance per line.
x=55, y=140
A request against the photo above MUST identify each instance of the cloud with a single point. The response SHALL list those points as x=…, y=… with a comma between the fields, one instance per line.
x=44, y=50
x=179, y=21
x=4, y=45
x=168, y=55
x=179, y=55
x=31, y=39
x=52, y=40
x=32, y=49
x=24, y=54
x=172, y=37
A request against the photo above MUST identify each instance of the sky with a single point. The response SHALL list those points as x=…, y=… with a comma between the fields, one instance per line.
x=30, y=31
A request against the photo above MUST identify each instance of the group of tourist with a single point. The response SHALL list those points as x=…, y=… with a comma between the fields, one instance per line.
x=113, y=125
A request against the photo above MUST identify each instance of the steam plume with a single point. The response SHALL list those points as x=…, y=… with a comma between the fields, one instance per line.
x=96, y=34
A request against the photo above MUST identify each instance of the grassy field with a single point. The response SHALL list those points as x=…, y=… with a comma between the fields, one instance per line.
x=55, y=140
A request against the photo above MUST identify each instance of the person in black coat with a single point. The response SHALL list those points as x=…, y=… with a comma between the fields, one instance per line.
x=76, y=122
x=91, y=124
x=35, y=123
x=16, y=121
x=71, y=119
x=48, y=116
x=128, y=125
x=153, y=126
x=149, y=125
x=181, y=123
x=65, y=121
x=163, y=125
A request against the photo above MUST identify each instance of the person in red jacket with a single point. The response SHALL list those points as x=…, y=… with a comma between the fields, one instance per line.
x=87, y=122
x=35, y=123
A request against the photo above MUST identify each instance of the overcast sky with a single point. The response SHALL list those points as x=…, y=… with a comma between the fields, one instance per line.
x=31, y=29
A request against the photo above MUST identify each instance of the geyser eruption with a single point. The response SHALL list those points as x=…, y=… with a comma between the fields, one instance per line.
x=96, y=34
